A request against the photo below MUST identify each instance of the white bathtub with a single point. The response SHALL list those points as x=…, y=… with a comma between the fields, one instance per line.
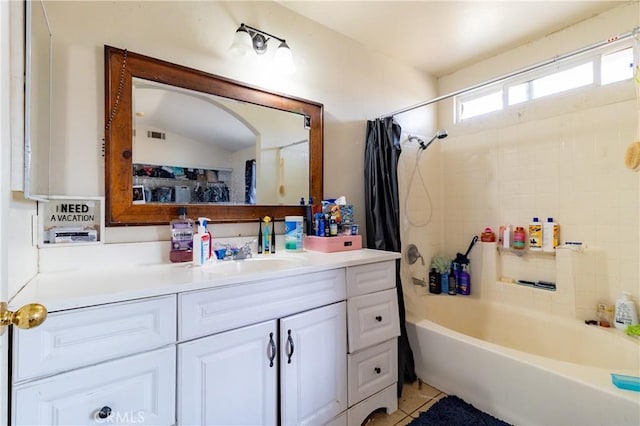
x=523, y=367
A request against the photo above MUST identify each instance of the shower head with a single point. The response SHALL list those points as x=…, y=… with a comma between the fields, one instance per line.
x=440, y=134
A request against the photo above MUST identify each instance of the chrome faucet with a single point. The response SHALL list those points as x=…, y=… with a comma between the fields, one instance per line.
x=243, y=252
x=232, y=252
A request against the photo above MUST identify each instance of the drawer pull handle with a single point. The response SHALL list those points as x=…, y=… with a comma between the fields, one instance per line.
x=104, y=412
x=377, y=370
x=272, y=350
x=289, y=346
x=379, y=318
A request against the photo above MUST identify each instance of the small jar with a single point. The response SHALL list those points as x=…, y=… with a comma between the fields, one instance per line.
x=488, y=236
x=519, y=238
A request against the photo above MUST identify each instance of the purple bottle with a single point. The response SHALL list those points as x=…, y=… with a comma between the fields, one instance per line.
x=464, y=281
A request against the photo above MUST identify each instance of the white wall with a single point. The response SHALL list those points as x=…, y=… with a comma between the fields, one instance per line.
x=353, y=83
x=561, y=157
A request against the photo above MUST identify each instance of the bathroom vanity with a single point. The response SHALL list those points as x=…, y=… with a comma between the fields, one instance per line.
x=304, y=338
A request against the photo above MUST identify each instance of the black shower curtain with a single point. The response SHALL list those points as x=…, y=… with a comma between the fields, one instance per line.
x=382, y=152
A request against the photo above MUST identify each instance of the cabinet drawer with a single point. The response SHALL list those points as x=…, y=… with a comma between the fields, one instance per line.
x=365, y=279
x=372, y=319
x=81, y=337
x=138, y=389
x=216, y=310
x=372, y=369
x=386, y=398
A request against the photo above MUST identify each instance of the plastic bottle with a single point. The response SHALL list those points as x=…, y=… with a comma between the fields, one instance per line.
x=434, y=282
x=519, y=238
x=201, y=243
x=453, y=285
x=535, y=235
x=444, y=282
x=506, y=237
x=464, y=281
x=550, y=235
x=625, y=313
x=182, y=230
x=488, y=236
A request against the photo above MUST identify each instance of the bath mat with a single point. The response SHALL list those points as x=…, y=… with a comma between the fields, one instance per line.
x=452, y=411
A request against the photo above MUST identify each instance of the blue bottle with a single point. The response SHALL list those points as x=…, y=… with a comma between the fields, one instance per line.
x=444, y=279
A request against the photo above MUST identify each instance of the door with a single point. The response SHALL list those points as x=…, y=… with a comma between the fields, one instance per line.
x=5, y=153
x=229, y=378
x=313, y=364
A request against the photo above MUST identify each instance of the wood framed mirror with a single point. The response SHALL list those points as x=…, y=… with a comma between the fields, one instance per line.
x=125, y=201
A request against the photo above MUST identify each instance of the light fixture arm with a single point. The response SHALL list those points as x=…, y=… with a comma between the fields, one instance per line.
x=263, y=33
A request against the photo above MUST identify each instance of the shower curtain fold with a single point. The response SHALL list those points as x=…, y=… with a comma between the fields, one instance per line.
x=382, y=152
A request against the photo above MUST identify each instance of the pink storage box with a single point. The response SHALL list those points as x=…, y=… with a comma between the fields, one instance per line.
x=331, y=244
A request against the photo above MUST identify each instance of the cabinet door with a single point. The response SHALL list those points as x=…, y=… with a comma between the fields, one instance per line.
x=313, y=364
x=229, y=378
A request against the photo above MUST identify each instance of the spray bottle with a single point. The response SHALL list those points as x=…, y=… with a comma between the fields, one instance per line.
x=201, y=243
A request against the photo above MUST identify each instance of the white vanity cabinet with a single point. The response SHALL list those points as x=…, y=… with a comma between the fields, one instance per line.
x=315, y=347
x=59, y=377
x=238, y=376
x=373, y=326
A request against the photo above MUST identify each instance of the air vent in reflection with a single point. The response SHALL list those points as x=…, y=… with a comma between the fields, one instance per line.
x=156, y=135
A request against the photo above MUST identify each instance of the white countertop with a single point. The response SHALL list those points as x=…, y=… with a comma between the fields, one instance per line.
x=101, y=284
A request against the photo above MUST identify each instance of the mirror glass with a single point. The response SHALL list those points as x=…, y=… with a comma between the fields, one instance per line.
x=193, y=147
x=177, y=136
x=37, y=131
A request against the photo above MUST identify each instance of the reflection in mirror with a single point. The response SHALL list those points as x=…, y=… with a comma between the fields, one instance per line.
x=192, y=147
x=281, y=133
x=37, y=102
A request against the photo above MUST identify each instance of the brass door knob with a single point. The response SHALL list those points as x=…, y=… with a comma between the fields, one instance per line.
x=28, y=316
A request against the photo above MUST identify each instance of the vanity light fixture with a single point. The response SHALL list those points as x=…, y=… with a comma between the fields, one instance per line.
x=248, y=38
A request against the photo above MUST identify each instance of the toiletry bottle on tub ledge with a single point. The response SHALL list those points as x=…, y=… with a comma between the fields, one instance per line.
x=625, y=313
x=464, y=281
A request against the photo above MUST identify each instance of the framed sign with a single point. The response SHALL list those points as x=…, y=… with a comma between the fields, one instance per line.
x=71, y=220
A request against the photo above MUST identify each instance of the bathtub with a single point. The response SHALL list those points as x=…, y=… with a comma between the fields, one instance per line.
x=522, y=366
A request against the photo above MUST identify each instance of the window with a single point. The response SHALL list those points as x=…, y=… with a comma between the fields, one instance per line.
x=616, y=66
x=481, y=105
x=610, y=66
x=579, y=76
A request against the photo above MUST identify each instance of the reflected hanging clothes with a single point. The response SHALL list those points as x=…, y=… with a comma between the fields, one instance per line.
x=382, y=153
x=250, y=182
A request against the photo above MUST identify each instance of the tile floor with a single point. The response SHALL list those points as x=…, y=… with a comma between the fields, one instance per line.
x=415, y=399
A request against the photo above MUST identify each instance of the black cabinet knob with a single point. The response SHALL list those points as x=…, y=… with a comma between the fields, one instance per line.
x=104, y=412
x=379, y=318
x=377, y=370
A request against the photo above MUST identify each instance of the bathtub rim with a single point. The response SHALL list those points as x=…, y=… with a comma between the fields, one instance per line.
x=595, y=377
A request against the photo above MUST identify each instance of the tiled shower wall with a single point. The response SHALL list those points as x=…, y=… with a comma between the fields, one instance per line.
x=568, y=166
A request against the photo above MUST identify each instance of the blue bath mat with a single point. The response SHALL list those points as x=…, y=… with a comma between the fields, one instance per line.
x=452, y=411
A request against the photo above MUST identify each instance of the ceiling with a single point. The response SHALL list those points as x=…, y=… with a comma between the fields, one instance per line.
x=443, y=36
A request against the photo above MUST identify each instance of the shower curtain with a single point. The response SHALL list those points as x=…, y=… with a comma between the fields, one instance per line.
x=382, y=152
x=250, y=182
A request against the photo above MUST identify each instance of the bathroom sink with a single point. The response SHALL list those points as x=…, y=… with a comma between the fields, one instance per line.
x=255, y=264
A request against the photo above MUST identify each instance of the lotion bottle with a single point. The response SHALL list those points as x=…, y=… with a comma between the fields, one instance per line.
x=201, y=243
x=550, y=235
x=535, y=235
x=625, y=313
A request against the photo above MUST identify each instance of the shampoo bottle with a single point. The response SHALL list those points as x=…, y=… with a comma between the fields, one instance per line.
x=434, y=281
x=453, y=285
x=519, y=238
x=625, y=313
x=550, y=232
x=535, y=235
x=464, y=281
x=201, y=243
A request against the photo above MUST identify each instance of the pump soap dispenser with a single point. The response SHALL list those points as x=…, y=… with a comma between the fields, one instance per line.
x=201, y=243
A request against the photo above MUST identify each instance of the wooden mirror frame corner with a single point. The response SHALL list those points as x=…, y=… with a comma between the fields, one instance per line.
x=121, y=67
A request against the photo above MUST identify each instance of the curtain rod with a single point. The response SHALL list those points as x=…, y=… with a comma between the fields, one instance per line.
x=512, y=74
